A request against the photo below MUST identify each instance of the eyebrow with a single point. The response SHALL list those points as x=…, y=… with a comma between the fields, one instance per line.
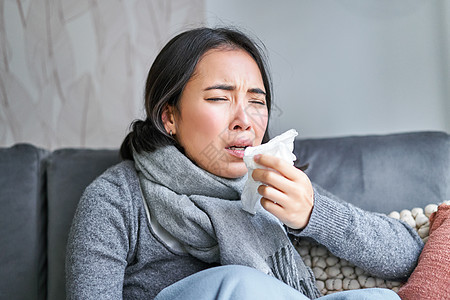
x=226, y=87
x=257, y=91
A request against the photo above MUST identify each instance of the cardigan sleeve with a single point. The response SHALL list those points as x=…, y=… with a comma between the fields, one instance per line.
x=98, y=243
x=383, y=246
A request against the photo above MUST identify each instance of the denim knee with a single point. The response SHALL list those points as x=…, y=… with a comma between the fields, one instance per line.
x=230, y=282
x=241, y=282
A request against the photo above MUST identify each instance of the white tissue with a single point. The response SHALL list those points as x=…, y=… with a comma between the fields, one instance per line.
x=280, y=146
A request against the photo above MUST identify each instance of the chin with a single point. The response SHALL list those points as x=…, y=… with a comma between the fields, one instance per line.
x=233, y=172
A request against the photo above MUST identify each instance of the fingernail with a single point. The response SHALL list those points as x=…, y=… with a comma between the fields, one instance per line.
x=257, y=157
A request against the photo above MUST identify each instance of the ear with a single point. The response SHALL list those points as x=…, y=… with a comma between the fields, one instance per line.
x=168, y=118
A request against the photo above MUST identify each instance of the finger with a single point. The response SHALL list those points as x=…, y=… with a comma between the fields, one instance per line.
x=285, y=168
x=273, y=195
x=271, y=178
x=272, y=207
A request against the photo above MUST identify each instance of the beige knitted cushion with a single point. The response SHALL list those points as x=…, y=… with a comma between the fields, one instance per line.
x=334, y=274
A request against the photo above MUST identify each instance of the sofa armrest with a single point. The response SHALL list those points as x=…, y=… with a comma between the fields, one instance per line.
x=22, y=222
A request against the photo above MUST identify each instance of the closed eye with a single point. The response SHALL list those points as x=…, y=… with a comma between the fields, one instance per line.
x=260, y=102
x=216, y=99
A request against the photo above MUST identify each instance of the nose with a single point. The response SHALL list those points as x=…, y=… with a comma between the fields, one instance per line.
x=241, y=119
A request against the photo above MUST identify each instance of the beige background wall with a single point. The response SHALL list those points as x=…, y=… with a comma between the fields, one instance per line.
x=72, y=72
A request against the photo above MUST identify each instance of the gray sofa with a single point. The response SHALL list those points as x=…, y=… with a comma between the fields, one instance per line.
x=40, y=191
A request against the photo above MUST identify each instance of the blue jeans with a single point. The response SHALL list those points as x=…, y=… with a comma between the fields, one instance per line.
x=243, y=283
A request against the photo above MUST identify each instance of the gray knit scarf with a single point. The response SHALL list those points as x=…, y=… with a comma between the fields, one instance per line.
x=203, y=213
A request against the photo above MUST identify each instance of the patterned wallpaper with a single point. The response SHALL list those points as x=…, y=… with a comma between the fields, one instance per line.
x=72, y=72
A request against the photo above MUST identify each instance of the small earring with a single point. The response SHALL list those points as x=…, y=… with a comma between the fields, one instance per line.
x=171, y=133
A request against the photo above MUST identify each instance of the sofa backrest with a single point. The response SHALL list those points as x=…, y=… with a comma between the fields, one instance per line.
x=39, y=194
x=381, y=173
x=22, y=223
x=69, y=172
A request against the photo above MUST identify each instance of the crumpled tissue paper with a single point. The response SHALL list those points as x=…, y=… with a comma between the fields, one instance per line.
x=280, y=146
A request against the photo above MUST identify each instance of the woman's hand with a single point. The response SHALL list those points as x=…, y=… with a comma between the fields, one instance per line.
x=288, y=194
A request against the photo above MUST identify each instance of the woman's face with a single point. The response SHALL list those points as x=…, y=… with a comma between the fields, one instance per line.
x=222, y=111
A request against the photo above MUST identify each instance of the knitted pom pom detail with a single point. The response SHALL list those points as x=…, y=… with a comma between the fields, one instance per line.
x=334, y=274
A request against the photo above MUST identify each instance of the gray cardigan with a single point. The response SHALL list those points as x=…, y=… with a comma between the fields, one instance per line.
x=114, y=253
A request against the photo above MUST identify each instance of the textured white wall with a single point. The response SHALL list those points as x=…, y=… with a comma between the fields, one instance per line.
x=345, y=67
x=72, y=72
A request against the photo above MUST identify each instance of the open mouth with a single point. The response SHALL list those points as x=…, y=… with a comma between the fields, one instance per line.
x=237, y=150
